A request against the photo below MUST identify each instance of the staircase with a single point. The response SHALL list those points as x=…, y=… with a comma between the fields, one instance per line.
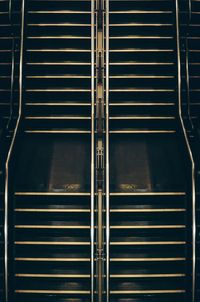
x=58, y=67
x=148, y=215
x=102, y=202
x=52, y=198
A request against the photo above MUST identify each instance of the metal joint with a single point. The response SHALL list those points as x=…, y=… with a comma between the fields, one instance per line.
x=100, y=255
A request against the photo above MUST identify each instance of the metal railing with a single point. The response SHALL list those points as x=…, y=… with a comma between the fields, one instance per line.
x=9, y=157
x=193, y=191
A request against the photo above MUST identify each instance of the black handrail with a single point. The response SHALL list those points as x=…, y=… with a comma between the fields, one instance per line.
x=189, y=151
x=9, y=158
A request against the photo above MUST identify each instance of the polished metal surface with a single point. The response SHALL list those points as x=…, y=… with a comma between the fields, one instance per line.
x=7, y=179
x=193, y=186
x=100, y=149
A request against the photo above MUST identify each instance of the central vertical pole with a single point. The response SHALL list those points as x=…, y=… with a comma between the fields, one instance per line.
x=100, y=143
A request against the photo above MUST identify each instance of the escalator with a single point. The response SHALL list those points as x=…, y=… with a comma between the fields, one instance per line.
x=99, y=189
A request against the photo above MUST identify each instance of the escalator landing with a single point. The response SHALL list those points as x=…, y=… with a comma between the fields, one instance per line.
x=54, y=163
x=146, y=163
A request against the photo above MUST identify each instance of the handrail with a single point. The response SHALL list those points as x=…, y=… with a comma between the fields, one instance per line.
x=187, y=64
x=9, y=156
x=189, y=152
x=92, y=143
x=107, y=161
x=12, y=78
x=10, y=9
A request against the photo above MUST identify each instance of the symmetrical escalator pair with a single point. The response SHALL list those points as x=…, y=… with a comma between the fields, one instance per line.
x=99, y=179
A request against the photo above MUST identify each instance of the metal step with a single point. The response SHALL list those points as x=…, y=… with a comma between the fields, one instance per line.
x=52, y=227
x=54, y=83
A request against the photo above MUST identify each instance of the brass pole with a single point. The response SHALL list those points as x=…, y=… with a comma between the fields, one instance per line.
x=100, y=142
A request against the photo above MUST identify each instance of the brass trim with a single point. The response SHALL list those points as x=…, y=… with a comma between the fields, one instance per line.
x=51, y=227
x=142, y=131
x=58, y=104
x=53, y=210
x=58, y=50
x=175, y=291
x=141, y=104
x=146, y=259
x=140, y=63
x=141, y=37
x=51, y=194
x=148, y=194
x=59, y=37
x=59, y=63
x=137, y=76
x=146, y=210
x=149, y=243
x=147, y=275
x=59, y=131
x=141, y=90
x=140, y=24
x=51, y=243
x=141, y=12
x=58, y=24
x=59, y=90
x=148, y=226
x=52, y=276
x=58, y=118
x=58, y=12
x=43, y=291
x=63, y=76
x=141, y=50
x=53, y=259
x=142, y=118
